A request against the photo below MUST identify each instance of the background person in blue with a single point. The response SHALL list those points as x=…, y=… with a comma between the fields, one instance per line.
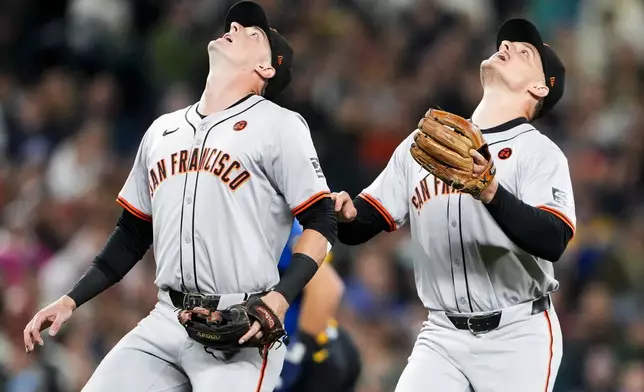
x=320, y=356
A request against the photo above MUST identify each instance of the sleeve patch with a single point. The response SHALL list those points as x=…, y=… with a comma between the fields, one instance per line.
x=315, y=162
x=561, y=197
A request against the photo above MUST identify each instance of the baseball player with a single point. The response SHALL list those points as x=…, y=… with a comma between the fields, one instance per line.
x=214, y=189
x=483, y=252
x=321, y=356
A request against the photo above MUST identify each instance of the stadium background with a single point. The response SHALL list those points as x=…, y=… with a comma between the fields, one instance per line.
x=81, y=80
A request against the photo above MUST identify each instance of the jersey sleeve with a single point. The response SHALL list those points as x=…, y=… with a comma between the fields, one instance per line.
x=545, y=183
x=293, y=165
x=135, y=194
x=388, y=192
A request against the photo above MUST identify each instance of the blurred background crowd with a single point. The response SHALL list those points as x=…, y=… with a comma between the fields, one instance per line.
x=81, y=80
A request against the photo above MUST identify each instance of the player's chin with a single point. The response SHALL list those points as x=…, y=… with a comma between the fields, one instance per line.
x=493, y=66
x=493, y=63
x=214, y=45
x=219, y=51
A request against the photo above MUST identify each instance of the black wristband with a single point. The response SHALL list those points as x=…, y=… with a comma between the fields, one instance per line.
x=298, y=274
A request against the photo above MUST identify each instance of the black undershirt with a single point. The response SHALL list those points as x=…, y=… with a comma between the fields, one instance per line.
x=536, y=231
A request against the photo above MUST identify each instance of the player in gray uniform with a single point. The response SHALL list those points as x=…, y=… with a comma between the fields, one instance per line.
x=484, y=267
x=214, y=188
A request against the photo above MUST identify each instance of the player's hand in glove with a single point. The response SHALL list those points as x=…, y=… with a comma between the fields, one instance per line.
x=278, y=305
x=453, y=150
x=480, y=164
x=52, y=317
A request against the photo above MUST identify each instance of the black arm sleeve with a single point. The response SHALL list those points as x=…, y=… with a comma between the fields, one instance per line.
x=127, y=245
x=321, y=217
x=367, y=224
x=536, y=231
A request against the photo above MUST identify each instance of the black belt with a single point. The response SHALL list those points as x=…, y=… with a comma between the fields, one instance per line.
x=192, y=300
x=488, y=322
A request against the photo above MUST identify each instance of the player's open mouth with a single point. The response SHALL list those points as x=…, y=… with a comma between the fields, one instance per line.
x=503, y=56
x=228, y=38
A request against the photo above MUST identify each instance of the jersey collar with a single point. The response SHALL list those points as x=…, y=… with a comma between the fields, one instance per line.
x=506, y=126
x=202, y=116
x=195, y=118
x=507, y=131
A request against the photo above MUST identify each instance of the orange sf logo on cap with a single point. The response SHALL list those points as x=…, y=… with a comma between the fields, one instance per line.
x=279, y=60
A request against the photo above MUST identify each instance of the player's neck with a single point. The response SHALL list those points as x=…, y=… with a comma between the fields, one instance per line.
x=497, y=108
x=221, y=92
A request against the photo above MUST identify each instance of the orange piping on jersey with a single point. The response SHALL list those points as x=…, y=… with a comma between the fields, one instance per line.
x=559, y=215
x=551, y=350
x=310, y=201
x=133, y=209
x=381, y=209
x=263, y=369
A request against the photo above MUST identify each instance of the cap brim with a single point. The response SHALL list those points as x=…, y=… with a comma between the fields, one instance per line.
x=247, y=14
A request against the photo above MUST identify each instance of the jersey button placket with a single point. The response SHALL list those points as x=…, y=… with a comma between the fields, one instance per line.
x=456, y=253
x=186, y=236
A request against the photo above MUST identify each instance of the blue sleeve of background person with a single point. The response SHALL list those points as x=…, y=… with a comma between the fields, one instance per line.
x=293, y=312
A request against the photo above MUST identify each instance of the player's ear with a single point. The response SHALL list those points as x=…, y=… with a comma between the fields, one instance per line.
x=265, y=70
x=539, y=90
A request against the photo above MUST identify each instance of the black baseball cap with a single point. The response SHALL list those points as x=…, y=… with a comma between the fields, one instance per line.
x=522, y=30
x=249, y=13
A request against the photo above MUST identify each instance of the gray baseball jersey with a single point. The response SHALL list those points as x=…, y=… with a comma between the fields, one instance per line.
x=221, y=193
x=463, y=261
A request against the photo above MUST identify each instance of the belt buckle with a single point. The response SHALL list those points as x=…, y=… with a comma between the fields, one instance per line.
x=191, y=300
x=469, y=325
x=210, y=302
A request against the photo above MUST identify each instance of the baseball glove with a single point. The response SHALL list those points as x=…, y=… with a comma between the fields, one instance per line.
x=222, y=329
x=442, y=147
